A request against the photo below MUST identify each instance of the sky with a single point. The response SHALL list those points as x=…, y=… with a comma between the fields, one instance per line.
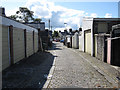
x=64, y=11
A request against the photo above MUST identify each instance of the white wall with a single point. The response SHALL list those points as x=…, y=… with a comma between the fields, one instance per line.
x=0, y=48
x=8, y=22
x=5, y=48
x=18, y=41
x=29, y=43
x=75, y=41
x=18, y=44
x=87, y=23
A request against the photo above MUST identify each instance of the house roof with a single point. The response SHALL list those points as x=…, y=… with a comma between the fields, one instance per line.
x=101, y=19
x=116, y=26
x=35, y=23
x=106, y=19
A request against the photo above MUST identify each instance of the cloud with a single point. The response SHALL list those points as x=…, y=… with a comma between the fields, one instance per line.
x=108, y=15
x=94, y=15
x=11, y=12
x=57, y=14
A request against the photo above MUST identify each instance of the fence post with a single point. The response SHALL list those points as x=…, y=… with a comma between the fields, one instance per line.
x=33, y=42
x=25, y=42
x=11, y=45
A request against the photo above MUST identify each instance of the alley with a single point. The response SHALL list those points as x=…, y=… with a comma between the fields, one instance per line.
x=72, y=71
x=58, y=67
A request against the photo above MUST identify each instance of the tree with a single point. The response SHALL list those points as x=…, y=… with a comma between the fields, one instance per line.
x=38, y=20
x=13, y=17
x=55, y=34
x=24, y=14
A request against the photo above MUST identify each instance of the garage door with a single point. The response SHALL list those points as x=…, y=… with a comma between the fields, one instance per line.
x=88, y=41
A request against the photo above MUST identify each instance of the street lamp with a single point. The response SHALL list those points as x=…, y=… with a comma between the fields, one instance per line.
x=65, y=25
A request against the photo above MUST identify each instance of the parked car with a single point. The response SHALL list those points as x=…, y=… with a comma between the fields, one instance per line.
x=62, y=40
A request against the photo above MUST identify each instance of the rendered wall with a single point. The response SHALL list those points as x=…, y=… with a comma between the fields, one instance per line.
x=87, y=23
x=101, y=46
x=102, y=28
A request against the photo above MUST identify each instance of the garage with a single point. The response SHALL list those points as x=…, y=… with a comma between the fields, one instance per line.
x=88, y=41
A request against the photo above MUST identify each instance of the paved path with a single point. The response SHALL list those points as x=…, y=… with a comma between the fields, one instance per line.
x=28, y=73
x=72, y=71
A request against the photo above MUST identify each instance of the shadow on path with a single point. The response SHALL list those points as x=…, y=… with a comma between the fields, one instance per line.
x=55, y=47
x=28, y=73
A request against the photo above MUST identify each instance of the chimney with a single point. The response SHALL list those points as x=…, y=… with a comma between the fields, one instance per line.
x=59, y=31
x=2, y=11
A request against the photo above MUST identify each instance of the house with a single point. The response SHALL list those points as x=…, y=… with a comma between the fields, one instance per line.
x=61, y=35
x=75, y=41
x=37, y=25
x=92, y=26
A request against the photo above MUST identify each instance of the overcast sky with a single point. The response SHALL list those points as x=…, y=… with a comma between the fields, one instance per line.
x=64, y=11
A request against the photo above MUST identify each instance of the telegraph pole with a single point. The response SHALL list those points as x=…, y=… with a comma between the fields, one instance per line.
x=51, y=28
x=49, y=24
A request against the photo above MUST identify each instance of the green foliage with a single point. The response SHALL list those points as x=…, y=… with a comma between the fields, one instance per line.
x=55, y=34
x=25, y=14
x=14, y=17
x=38, y=20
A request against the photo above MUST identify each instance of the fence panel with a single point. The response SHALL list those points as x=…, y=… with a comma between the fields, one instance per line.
x=18, y=44
x=36, y=41
x=5, y=48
